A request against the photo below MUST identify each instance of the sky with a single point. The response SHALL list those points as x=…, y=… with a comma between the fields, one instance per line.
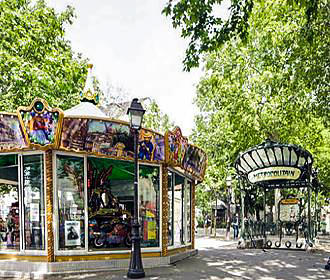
x=133, y=46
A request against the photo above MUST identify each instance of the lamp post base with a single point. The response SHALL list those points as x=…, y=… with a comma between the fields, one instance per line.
x=136, y=270
x=136, y=273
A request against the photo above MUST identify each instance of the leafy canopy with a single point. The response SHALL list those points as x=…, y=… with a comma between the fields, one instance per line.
x=35, y=58
x=274, y=84
x=199, y=22
x=155, y=119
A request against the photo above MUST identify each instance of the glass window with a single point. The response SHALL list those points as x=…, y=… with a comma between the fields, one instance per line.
x=170, y=208
x=178, y=209
x=9, y=203
x=34, y=206
x=71, y=202
x=187, y=196
x=149, y=205
x=110, y=203
x=179, y=195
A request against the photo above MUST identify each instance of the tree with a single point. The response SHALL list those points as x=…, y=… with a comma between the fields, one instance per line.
x=261, y=88
x=199, y=21
x=36, y=60
x=155, y=119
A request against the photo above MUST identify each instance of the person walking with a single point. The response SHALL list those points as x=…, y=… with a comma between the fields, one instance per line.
x=207, y=223
x=235, y=224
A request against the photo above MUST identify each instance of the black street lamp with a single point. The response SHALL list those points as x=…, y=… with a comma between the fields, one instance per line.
x=135, y=270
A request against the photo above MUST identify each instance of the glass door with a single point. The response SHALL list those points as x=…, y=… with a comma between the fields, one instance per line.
x=9, y=203
x=33, y=202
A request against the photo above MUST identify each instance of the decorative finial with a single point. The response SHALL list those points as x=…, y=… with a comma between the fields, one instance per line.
x=88, y=94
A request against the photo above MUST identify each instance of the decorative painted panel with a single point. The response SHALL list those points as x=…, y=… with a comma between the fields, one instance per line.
x=97, y=137
x=195, y=161
x=176, y=147
x=41, y=124
x=11, y=134
x=159, y=153
x=102, y=137
x=151, y=146
x=181, y=154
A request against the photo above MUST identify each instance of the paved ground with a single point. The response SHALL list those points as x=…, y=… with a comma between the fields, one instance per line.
x=218, y=259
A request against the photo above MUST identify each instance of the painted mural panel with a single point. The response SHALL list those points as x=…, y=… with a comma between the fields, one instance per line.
x=181, y=154
x=195, y=161
x=97, y=136
x=109, y=138
x=11, y=135
x=176, y=147
x=41, y=123
x=159, y=153
x=73, y=134
x=151, y=146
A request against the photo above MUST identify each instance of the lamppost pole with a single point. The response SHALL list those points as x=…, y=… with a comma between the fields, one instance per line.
x=135, y=267
x=228, y=183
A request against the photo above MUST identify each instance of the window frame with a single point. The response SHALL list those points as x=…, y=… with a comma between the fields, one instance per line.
x=159, y=248
x=22, y=209
x=184, y=236
x=85, y=251
x=22, y=251
x=172, y=208
x=188, y=183
x=57, y=250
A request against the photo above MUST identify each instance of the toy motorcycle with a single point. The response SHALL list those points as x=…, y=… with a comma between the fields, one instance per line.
x=114, y=234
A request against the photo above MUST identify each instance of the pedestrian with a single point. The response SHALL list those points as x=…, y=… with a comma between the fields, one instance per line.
x=235, y=224
x=207, y=223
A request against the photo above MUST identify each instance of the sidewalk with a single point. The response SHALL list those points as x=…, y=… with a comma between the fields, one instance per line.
x=218, y=259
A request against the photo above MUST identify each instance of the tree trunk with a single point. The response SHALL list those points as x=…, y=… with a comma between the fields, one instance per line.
x=228, y=221
x=215, y=218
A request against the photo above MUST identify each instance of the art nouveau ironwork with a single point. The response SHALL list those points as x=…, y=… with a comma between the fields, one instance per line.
x=273, y=166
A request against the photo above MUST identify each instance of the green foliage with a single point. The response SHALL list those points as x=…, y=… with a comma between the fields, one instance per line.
x=274, y=84
x=36, y=60
x=155, y=119
x=207, y=31
x=6, y=189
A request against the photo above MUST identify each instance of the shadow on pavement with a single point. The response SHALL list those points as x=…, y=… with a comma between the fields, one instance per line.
x=226, y=262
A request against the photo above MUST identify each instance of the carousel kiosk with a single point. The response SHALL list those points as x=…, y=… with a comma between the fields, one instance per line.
x=67, y=190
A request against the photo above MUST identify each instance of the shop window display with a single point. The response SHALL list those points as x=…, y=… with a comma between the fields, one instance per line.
x=9, y=203
x=71, y=202
x=34, y=206
x=149, y=205
x=170, y=208
x=110, y=203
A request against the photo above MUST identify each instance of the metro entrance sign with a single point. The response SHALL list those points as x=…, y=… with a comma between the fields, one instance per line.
x=274, y=173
